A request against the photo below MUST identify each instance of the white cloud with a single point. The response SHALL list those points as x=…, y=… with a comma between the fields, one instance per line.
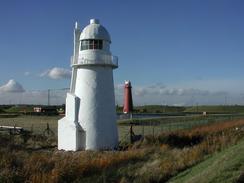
x=178, y=105
x=163, y=90
x=118, y=86
x=184, y=92
x=57, y=73
x=13, y=93
x=27, y=73
x=154, y=89
x=229, y=85
x=11, y=87
x=34, y=97
x=161, y=94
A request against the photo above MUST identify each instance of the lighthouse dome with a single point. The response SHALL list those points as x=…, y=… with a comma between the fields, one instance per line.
x=95, y=31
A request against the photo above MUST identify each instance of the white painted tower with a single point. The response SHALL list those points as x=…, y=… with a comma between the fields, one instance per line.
x=90, y=119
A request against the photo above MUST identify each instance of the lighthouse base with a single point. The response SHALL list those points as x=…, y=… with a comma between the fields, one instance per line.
x=90, y=118
x=71, y=137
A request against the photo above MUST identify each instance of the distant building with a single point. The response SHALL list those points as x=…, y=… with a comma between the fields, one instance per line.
x=45, y=110
x=61, y=110
x=37, y=109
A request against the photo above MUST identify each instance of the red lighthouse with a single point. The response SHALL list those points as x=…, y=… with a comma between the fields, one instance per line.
x=128, y=103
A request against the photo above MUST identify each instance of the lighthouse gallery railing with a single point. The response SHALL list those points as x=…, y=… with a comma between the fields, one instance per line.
x=101, y=59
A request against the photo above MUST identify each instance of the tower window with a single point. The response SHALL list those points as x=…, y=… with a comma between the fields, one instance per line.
x=91, y=44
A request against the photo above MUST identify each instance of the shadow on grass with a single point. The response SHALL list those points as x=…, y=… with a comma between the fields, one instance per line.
x=240, y=178
x=174, y=140
x=181, y=141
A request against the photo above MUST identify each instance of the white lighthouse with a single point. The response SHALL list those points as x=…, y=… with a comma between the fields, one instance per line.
x=90, y=119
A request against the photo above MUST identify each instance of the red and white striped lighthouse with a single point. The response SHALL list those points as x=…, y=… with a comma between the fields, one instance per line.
x=128, y=103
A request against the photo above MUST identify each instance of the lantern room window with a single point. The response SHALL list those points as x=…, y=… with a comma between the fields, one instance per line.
x=91, y=44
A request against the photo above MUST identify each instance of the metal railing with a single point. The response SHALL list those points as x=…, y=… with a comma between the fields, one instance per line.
x=101, y=59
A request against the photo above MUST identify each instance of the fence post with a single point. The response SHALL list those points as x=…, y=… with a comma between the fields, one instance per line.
x=131, y=134
x=32, y=128
x=153, y=131
x=143, y=130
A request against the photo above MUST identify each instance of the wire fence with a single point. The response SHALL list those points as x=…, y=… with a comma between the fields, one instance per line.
x=35, y=124
x=153, y=128
x=48, y=124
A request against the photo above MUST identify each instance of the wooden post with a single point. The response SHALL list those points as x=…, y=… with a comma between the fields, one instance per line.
x=143, y=130
x=131, y=133
x=153, y=130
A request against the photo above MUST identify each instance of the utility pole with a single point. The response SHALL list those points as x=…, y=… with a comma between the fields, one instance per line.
x=48, y=97
x=197, y=106
x=49, y=94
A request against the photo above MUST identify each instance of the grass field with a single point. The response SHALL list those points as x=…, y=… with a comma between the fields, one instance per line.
x=153, y=126
x=162, y=109
x=224, y=167
x=216, y=109
x=38, y=124
x=35, y=123
x=152, y=159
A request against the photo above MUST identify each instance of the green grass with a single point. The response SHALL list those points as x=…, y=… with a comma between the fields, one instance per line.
x=39, y=123
x=36, y=123
x=192, y=109
x=150, y=109
x=224, y=167
x=173, y=119
x=216, y=109
x=158, y=109
x=17, y=109
x=155, y=126
x=154, y=159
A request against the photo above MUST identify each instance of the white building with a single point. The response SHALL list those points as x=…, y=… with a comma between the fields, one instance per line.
x=90, y=119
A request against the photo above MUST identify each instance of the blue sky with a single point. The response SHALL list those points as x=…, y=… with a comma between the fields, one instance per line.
x=174, y=52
